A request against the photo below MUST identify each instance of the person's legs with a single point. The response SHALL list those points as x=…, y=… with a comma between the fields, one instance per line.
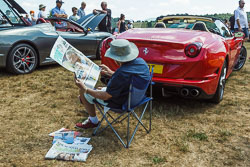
x=90, y=108
x=88, y=101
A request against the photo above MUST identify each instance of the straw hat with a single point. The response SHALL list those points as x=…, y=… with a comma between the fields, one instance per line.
x=122, y=50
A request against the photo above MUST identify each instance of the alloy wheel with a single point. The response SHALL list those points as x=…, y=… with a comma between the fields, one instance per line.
x=24, y=59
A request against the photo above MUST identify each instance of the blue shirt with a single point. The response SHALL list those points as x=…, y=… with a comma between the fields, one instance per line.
x=81, y=13
x=56, y=10
x=118, y=86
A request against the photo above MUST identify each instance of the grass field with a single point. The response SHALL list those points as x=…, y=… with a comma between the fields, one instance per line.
x=184, y=132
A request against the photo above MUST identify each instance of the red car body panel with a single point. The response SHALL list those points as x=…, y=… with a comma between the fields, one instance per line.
x=166, y=47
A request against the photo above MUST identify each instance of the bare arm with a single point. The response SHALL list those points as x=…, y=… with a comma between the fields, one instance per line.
x=99, y=94
x=119, y=26
x=238, y=23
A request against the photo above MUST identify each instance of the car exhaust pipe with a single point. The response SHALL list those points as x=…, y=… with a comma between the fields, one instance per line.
x=194, y=92
x=184, y=92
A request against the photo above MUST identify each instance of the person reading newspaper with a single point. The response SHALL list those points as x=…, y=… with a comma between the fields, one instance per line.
x=125, y=54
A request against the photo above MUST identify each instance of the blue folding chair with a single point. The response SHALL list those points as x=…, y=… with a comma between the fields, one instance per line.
x=137, y=97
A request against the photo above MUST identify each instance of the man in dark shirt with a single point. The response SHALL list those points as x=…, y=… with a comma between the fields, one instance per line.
x=105, y=24
x=115, y=95
x=232, y=22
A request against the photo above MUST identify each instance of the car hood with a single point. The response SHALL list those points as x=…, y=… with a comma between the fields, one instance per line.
x=91, y=20
x=170, y=35
x=16, y=6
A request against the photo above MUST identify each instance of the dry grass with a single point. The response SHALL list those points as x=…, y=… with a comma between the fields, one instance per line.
x=185, y=132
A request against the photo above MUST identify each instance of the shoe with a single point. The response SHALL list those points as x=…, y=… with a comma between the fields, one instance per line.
x=87, y=124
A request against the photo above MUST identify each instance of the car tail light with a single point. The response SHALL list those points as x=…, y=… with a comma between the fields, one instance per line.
x=193, y=50
x=107, y=43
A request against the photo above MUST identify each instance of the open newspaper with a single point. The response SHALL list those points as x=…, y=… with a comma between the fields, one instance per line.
x=68, y=152
x=75, y=61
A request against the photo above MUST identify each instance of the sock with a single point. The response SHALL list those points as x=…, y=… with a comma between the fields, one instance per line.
x=94, y=120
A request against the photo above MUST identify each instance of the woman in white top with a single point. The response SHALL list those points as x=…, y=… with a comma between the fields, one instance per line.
x=41, y=13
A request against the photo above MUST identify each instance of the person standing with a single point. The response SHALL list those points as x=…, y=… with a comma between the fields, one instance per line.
x=74, y=17
x=241, y=21
x=105, y=25
x=130, y=24
x=81, y=12
x=122, y=24
x=60, y=13
x=232, y=22
x=41, y=13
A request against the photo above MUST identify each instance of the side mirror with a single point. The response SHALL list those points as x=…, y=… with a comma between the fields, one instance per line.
x=87, y=30
x=239, y=35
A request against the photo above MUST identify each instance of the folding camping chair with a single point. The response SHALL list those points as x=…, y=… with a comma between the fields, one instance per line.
x=137, y=97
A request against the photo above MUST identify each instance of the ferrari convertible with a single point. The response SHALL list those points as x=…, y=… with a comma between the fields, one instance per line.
x=191, y=56
x=23, y=47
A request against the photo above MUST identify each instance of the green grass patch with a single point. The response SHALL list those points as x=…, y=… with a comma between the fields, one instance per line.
x=157, y=160
x=197, y=135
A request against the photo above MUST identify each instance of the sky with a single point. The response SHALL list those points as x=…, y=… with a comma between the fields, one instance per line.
x=143, y=9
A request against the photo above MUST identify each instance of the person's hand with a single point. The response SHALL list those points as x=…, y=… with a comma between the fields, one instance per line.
x=81, y=85
x=99, y=88
x=106, y=70
x=240, y=29
x=94, y=11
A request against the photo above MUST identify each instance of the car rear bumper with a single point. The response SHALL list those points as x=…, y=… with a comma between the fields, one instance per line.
x=200, y=89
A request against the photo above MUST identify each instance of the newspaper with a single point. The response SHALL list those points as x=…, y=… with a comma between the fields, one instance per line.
x=75, y=61
x=68, y=152
x=63, y=130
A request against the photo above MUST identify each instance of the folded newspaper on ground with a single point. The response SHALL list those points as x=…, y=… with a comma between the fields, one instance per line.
x=68, y=152
x=70, y=139
x=63, y=130
x=75, y=61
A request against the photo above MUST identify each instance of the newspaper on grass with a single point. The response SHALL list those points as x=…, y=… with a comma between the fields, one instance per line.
x=69, y=138
x=75, y=61
x=63, y=130
x=68, y=152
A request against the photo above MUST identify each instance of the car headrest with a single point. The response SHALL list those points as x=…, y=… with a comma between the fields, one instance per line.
x=160, y=25
x=200, y=26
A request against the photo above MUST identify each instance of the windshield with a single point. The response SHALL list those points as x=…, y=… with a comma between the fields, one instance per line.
x=8, y=14
x=216, y=26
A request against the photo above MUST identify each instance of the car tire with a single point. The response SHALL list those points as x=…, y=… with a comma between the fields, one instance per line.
x=241, y=60
x=22, y=59
x=218, y=96
x=98, y=51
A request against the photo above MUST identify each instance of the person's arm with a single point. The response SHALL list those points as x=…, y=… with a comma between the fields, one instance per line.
x=238, y=23
x=119, y=26
x=98, y=94
x=102, y=11
x=95, y=93
x=106, y=71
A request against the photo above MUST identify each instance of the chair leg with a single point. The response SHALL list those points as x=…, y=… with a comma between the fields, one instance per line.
x=128, y=130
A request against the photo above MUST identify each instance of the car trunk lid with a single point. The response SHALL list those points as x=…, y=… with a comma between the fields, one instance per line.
x=164, y=49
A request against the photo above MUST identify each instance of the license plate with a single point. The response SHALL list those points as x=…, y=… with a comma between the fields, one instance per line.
x=158, y=69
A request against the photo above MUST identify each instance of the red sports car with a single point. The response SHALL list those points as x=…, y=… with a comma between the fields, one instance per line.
x=192, y=56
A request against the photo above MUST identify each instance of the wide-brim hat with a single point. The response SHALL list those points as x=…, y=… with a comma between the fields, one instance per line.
x=41, y=6
x=122, y=50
